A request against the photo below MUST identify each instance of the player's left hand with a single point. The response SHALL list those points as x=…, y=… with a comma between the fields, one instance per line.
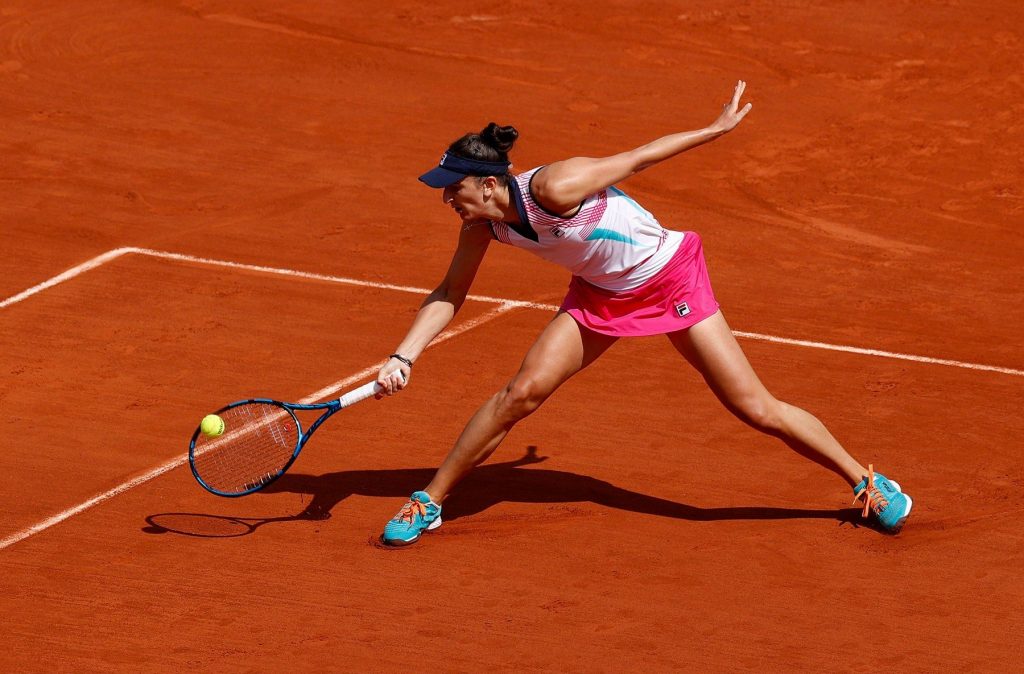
x=732, y=113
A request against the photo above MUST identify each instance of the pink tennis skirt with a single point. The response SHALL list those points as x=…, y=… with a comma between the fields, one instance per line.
x=675, y=298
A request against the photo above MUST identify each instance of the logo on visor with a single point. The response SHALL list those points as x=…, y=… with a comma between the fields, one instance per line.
x=443, y=157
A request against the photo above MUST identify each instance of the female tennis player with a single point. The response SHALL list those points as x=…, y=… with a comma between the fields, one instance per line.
x=630, y=277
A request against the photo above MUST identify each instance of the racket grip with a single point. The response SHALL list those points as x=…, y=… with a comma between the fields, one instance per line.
x=358, y=395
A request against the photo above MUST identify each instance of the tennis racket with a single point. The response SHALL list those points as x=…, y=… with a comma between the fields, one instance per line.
x=261, y=440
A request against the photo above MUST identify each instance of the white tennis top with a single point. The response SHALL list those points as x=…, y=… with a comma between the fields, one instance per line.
x=611, y=242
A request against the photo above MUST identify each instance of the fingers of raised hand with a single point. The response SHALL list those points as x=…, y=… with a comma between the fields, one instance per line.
x=737, y=93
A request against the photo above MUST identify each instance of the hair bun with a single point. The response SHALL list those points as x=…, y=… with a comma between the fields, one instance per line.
x=501, y=138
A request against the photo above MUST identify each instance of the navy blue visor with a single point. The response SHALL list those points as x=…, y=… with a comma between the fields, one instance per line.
x=453, y=168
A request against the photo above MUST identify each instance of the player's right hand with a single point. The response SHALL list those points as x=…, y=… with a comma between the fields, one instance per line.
x=393, y=377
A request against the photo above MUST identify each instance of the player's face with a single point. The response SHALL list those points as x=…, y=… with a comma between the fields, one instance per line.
x=466, y=198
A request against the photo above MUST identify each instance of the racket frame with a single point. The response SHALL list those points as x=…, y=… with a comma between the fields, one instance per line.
x=331, y=407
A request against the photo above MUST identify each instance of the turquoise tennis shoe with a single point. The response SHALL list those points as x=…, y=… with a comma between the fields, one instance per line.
x=419, y=514
x=884, y=498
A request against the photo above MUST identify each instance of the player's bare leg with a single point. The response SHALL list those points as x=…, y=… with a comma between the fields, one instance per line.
x=561, y=350
x=711, y=348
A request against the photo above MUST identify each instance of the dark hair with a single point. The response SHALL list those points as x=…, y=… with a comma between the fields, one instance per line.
x=492, y=144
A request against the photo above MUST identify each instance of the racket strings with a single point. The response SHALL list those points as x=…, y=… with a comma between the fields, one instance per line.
x=258, y=441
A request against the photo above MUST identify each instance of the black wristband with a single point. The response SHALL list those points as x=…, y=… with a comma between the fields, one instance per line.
x=401, y=358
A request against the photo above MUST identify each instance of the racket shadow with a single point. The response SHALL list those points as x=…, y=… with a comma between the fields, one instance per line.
x=511, y=481
x=206, y=525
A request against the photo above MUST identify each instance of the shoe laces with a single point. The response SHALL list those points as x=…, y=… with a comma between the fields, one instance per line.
x=873, y=497
x=410, y=510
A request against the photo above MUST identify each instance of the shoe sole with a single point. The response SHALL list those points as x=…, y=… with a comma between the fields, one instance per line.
x=399, y=543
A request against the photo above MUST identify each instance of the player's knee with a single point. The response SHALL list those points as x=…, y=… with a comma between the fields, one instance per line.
x=762, y=413
x=521, y=397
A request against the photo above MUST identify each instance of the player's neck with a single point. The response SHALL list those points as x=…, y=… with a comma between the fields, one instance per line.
x=503, y=202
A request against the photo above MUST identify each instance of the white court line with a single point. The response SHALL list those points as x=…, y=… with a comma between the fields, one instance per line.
x=182, y=460
x=69, y=274
x=324, y=277
x=552, y=307
x=876, y=352
x=328, y=392
x=113, y=254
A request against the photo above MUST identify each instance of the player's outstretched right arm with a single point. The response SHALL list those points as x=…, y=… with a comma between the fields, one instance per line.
x=439, y=307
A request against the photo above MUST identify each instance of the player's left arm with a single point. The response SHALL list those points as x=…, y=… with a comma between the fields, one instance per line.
x=562, y=185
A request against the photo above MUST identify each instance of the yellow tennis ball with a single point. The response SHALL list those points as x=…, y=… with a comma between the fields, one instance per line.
x=212, y=426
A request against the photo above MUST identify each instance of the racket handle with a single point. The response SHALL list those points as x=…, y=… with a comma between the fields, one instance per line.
x=362, y=393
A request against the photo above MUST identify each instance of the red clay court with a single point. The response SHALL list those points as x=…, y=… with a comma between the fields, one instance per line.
x=209, y=200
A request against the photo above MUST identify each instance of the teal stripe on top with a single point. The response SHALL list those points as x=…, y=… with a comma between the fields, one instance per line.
x=611, y=235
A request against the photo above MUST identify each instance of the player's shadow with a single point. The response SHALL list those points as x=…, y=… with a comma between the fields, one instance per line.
x=495, y=483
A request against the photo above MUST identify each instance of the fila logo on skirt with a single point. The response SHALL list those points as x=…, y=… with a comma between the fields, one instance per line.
x=683, y=309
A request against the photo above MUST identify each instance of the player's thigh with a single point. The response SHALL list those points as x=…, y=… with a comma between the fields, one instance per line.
x=713, y=350
x=561, y=350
